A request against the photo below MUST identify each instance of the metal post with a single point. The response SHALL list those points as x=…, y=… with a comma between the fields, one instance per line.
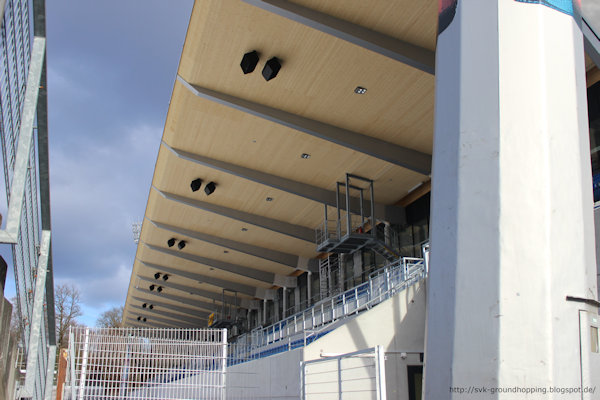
x=348, y=215
x=309, y=288
x=339, y=214
x=84, y=364
x=380, y=373
x=339, y=365
x=224, y=364
x=373, y=222
x=37, y=317
x=72, y=361
x=264, y=311
x=50, y=372
x=362, y=212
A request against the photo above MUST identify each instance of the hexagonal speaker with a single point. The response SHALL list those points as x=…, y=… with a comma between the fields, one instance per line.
x=195, y=185
x=210, y=188
x=271, y=69
x=249, y=62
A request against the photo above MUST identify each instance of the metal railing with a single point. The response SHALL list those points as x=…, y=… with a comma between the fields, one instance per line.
x=305, y=327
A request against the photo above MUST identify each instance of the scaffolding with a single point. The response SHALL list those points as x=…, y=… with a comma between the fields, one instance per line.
x=23, y=118
x=145, y=363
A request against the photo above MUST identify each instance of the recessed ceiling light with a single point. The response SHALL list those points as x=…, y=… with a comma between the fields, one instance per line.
x=165, y=277
x=226, y=251
x=157, y=275
x=171, y=242
x=244, y=229
x=269, y=199
x=181, y=244
x=151, y=307
x=360, y=90
x=159, y=289
x=144, y=305
x=151, y=287
x=211, y=269
x=305, y=156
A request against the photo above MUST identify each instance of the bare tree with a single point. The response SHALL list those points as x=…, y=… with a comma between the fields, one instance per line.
x=110, y=318
x=68, y=307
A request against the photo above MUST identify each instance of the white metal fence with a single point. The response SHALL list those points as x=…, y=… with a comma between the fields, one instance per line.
x=359, y=375
x=146, y=363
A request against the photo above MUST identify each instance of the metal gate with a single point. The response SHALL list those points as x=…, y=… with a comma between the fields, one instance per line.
x=146, y=363
x=359, y=375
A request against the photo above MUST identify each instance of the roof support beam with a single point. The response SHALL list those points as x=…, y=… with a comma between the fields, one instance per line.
x=158, y=322
x=171, y=315
x=407, y=53
x=242, y=303
x=260, y=293
x=287, y=259
x=185, y=310
x=310, y=192
x=192, y=290
x=295, y=231
x=263, y=276
x=191, y=302
x=390, y=152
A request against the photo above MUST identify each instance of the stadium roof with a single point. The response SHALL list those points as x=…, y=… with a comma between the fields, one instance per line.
x=275, y=149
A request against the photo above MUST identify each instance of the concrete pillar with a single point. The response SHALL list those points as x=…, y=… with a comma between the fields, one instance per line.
x=512, y=229
x=309, y=289
x=296, y=299
x=357, y=264
x=284, y=295
x=342, y=272
x=276, y=303
x=264, y=313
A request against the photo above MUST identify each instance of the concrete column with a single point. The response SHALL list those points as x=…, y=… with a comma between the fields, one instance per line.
x=284, y=292
x=309, y=288
x=357, y=264
x=342, y=272
x=276, y=307
x=296, y=299
x=512, y=230
x=264, y=315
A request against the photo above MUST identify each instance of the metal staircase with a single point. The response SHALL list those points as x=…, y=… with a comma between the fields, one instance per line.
x=348, y=232
x=330, y=276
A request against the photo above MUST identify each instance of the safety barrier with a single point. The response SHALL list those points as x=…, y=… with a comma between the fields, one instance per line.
x=305, y=327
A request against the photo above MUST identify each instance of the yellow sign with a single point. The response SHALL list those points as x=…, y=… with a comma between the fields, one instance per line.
x=211, y=319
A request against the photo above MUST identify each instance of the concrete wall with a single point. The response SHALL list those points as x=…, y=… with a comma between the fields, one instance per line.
x=398, y=324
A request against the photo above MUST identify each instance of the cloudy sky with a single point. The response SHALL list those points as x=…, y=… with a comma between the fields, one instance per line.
x=111, y=69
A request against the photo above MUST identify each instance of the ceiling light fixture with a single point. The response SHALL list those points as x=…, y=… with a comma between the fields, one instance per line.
x=210, y=188
x=139, y=318
x=306, y=156
x=144, y=305
x=226, y=251
x=269, y=199
x=165, y=277
x=181, y=244
x=171, y=242
x=360, y=90
x=249, y=61
x=244, y=229
x=144, y=319
x=159, y=289
x=271, y=69
x=151, y=307
x=152, y=287
x=157, y=275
